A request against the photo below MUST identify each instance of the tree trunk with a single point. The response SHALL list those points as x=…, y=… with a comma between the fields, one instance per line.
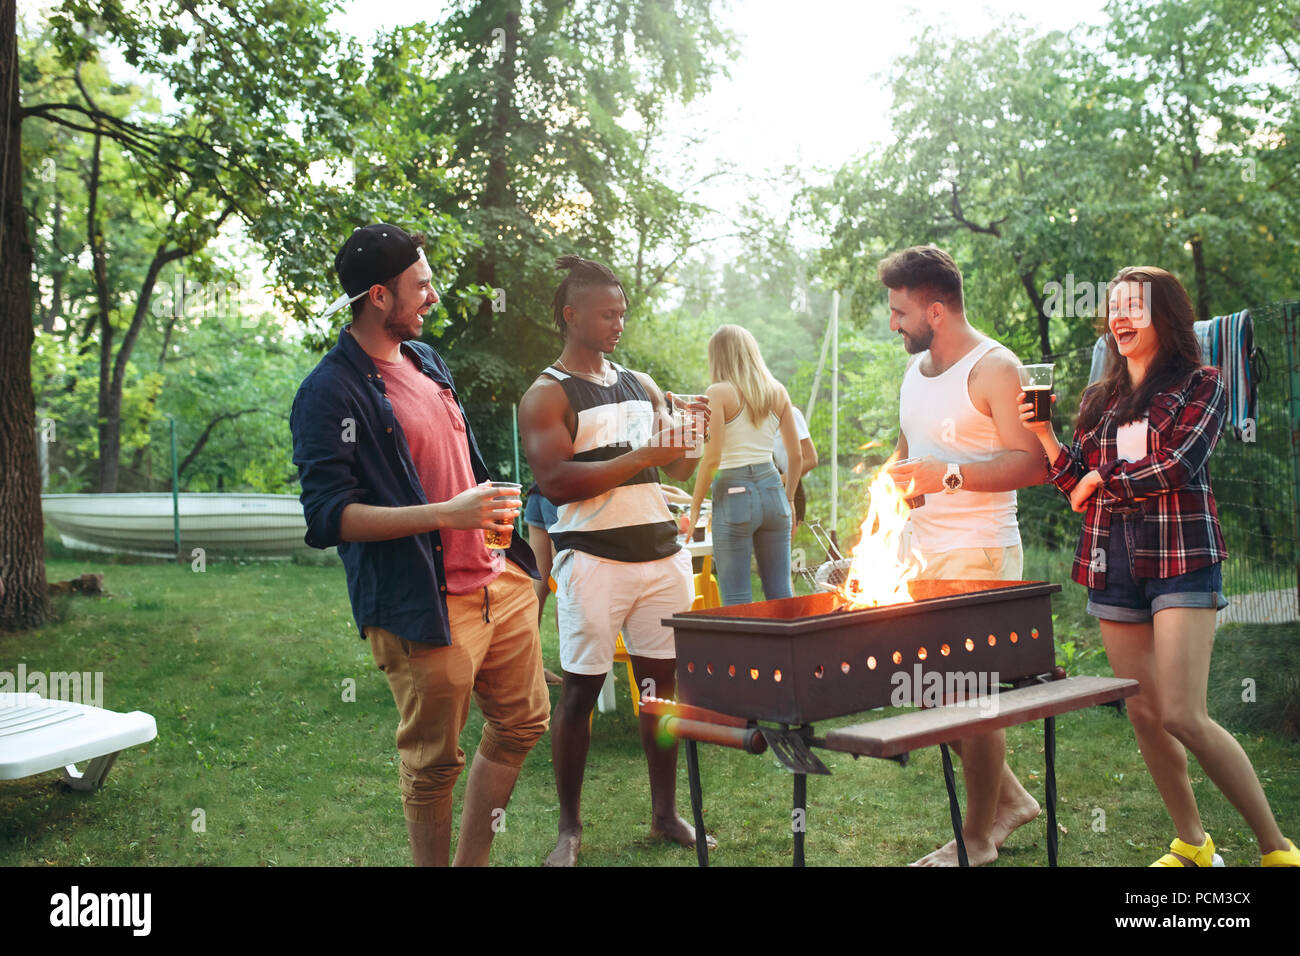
x=112, y=370
x=23, y=600
x=108, y=410
x=1044, y=342
x=496, y=190
x=1202, y=280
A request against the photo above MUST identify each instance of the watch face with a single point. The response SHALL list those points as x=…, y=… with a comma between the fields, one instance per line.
x=952, y=481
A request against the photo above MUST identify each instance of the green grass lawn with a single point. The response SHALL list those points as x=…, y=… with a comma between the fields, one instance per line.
x=245, y=667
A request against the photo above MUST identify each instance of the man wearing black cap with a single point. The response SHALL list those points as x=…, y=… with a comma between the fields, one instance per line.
x=391, y=474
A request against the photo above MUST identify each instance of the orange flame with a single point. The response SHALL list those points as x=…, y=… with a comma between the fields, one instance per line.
x=879, y=572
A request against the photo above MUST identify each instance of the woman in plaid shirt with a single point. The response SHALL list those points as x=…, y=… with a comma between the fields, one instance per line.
x=1151, y=550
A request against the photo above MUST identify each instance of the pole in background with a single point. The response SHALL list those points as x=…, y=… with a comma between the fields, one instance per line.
x=1291, y=331
x=176, y=501
x=835, y=416
x=817, y=379
x=514, y=436
x=43, y=450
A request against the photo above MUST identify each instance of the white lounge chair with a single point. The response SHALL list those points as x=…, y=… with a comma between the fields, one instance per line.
x=37, y=735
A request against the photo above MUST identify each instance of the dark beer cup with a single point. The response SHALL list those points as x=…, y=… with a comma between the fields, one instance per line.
x=1036, y=381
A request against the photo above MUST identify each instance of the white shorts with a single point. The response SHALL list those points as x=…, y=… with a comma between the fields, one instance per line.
x=596, y=598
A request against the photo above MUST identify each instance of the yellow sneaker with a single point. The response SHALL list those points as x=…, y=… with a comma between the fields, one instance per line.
x=1289, y=857
x=1202, y=855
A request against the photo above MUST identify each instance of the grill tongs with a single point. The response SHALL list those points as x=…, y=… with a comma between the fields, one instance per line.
x=830, y=575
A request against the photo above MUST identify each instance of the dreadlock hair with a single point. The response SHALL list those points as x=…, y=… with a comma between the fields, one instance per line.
x=583, y=274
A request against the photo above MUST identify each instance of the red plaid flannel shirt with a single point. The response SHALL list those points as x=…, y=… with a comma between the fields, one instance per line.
x=1180, y=527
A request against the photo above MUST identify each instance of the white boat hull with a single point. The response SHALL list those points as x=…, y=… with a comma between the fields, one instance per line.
x=264, y=526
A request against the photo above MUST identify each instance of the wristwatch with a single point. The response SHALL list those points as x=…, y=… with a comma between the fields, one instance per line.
x=952, y=480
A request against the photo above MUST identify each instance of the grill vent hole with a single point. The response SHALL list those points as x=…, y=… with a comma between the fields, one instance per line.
x=844, y=667
x=992, y=641
x=690, y=667
x=709, y=668
x=820, y=672
x=921, y=654
x=898, y=657
x=1034, y=633
x=753, y=673
x=776, y=675
x=871, y=663
x=731, y=670
x=970, y=645
x=945, y=650
x=1015, y=638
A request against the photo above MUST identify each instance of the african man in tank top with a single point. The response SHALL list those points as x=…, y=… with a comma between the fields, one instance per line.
x=967, y=452
x=596, y=435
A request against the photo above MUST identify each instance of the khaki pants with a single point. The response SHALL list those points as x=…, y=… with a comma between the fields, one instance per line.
x=497, y=662
x=975, y=564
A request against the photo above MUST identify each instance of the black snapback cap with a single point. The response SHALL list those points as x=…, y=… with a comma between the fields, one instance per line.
x=373, y=255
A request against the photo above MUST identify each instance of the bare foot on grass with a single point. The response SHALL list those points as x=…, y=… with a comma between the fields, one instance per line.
x=1010, y=818
x=978, y=853
x=566, y=849
x=678, y=831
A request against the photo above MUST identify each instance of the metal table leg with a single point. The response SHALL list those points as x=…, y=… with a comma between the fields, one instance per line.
x=697, y=801
x=1049, y=749
x=954, y=808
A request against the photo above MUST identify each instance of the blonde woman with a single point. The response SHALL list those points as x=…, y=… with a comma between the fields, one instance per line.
x=752, y=506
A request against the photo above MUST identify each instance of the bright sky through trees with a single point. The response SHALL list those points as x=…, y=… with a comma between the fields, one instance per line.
x=805, y=90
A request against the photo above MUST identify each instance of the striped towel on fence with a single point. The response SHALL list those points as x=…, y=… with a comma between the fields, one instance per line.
x=1228, y=343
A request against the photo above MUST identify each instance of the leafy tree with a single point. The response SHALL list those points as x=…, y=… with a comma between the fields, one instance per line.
x=1057, y=158
x=229, y=386
x=1201, y=120
x=65, y=380
x=227, y=153
x=993, y=160
x=552, y=106
x=247, y=79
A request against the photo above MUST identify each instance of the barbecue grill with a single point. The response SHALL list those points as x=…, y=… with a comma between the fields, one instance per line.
x=978, y=655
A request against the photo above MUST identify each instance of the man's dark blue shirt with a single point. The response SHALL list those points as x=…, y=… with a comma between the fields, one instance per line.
x=349, y=447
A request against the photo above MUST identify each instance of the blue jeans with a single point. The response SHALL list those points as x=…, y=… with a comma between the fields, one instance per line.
x=751, y=516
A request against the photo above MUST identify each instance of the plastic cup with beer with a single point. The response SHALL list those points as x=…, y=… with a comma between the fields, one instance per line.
x=499, y=538
x=688, y=423
x=1036, y=381
x=918, y=500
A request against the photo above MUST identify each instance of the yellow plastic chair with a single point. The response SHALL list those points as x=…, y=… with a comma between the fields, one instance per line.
x=621, y=656
x=706, y=587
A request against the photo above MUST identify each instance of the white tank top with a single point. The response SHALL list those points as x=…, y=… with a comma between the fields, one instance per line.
x=939, y=419
x=747, y=444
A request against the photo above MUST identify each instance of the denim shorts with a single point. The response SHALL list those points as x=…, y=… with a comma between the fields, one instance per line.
x=1130, y=599
x=538, y=511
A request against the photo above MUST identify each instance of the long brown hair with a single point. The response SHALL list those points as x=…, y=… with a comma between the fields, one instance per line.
x=1179, y=352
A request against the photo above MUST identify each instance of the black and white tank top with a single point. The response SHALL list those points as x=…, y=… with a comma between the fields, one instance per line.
x=630, y=522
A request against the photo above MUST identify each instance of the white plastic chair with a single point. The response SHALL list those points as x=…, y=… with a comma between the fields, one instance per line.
x=37, y=735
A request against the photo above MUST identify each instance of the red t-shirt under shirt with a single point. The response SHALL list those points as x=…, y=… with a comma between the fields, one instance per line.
x=435, y=435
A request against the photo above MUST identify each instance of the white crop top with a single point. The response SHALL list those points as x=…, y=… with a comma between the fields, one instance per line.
x=746, y=444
